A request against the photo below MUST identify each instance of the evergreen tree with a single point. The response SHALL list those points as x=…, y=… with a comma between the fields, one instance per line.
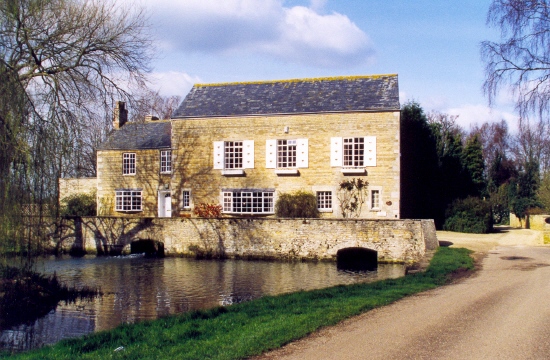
x=419, y=165
x=472, y=160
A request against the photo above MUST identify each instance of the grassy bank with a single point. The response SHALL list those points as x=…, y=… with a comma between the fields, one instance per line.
x=250, y=328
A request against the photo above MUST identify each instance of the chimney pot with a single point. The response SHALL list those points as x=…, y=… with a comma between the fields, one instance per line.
x=120, y=116
x=151, y=118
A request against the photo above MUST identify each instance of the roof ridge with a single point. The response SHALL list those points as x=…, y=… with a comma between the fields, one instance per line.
x=327, y=78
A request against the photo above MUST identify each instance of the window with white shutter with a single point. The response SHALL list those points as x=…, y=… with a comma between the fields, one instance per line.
x=286, y=155
x=233, y=156
x=353, y=154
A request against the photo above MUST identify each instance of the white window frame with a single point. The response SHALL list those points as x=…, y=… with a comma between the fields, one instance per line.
x=128, y=200
x=248, y=201
x=286, y=153
x=128, y=163
x=339, y=151
x=224, y=158
x=371, y=199
x=325, y=200
x=233, y=155
x=275, y=155
x=353, y=152
x=186, y=199
x=166, y=161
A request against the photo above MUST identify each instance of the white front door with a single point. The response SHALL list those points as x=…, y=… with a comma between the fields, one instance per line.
x=165, y=204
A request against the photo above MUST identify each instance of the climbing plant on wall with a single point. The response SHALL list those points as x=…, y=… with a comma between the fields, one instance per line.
x=352, y=194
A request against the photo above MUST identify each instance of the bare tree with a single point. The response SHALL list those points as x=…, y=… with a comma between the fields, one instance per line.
x=445, y=129
x=150, y=102
x=532, y=143
x=494, y=138
x=521, y=60
x=62, y=62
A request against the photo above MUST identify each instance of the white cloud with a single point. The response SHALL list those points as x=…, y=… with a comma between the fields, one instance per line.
x=318, y=5
x=470, y=114
x=328, y=40
x=298, y=34
x=172, y=83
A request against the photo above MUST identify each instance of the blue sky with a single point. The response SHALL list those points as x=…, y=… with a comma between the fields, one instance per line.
x=432, y=45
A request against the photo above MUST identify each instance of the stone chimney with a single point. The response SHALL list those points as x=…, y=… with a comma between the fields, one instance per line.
x=120, y=116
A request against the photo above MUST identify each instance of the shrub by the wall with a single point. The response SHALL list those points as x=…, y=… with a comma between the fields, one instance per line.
x=79, y=205
x=299, y=204
x=470, y=215
x=208, y=210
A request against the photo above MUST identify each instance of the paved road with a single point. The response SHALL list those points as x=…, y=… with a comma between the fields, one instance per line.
x=502, y=312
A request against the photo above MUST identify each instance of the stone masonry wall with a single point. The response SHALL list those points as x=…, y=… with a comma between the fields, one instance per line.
x=533, y=222
x=314, y=239
x=147, y=178
x=192, y=142
x=68, y=187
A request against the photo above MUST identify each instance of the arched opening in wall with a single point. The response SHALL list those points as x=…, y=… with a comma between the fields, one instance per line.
x=357, y=259
x=150, y=248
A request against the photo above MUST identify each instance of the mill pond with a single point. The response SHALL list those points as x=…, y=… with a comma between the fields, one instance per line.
x=136, y=288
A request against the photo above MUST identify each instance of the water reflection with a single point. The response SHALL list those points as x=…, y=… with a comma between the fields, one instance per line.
x=137, y=288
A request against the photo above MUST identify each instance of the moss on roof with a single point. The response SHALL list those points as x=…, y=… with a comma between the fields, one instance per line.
x=311, y=95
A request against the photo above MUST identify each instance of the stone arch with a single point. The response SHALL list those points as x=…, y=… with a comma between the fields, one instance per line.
x=149, y=247
x=357, y=259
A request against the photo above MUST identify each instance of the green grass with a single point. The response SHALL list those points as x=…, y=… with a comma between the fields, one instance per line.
x=250, y=328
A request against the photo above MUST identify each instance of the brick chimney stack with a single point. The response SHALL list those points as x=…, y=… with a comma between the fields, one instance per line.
x=120, y=116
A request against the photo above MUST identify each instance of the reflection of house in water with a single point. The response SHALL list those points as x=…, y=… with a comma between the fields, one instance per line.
x=240, y=144
x=169, y=286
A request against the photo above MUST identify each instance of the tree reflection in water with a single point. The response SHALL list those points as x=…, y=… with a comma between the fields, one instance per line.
x=138, y=288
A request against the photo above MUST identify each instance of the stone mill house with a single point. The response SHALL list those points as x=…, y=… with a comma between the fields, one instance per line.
x=239, y=145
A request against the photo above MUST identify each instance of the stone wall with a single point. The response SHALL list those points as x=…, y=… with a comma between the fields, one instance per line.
x=313, y=239
x=147, y=178
x=533, y=222
x=192, y=142
x=68, y=187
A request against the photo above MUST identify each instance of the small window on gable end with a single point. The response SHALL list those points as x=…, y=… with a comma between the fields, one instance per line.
x=128, y=164
x=166, y=161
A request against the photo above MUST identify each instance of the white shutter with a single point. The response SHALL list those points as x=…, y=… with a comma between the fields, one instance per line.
x=336, y=151
x=271, y=154
x=302, y=153
x=370, y=151
x=248, y=154
x=219, y=155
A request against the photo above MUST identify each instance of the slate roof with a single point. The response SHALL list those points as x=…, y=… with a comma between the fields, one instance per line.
x=319, y=95
x=139, y=136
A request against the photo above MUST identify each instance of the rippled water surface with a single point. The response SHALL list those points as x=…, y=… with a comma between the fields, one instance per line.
x=136, y=288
